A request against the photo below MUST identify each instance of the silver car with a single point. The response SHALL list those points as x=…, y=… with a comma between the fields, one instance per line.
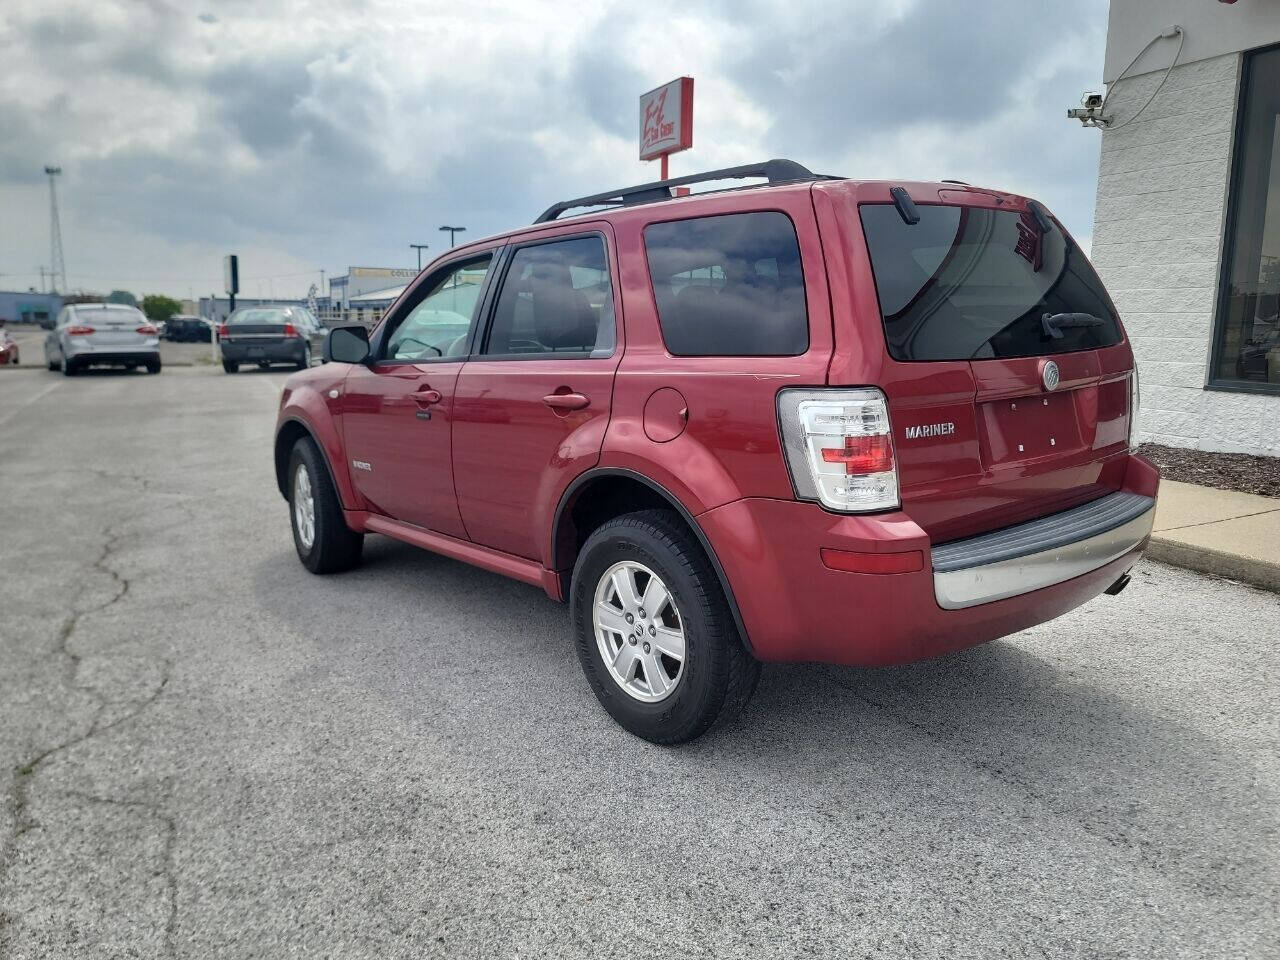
x=94, y=334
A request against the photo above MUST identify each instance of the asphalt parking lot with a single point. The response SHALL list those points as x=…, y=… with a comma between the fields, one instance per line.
x=206, y=751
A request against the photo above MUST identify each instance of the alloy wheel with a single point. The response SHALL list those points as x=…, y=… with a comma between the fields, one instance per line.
x=304, y=507
x=639, y=631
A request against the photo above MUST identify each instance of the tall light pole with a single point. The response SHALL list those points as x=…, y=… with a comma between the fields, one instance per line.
x=419, y=247
x=452, y=232
x=58, y=266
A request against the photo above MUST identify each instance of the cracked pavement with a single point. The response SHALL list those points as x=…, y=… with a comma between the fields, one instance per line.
x=206, y=751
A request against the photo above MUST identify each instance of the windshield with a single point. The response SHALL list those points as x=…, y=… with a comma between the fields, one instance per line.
x=258, y=315
x=970, y=283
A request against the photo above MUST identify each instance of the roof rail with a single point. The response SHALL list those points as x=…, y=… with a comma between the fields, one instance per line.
x=775, y=171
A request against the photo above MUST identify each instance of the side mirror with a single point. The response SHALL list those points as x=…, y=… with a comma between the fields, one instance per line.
x=347, y=344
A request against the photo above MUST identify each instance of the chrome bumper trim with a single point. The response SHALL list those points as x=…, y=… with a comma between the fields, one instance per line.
x=1039, y=554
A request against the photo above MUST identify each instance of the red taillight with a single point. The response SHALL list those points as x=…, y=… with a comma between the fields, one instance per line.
x=147, y=330
x=862, y=454
x=79, y=330
x=222, y=331
x=290, y=330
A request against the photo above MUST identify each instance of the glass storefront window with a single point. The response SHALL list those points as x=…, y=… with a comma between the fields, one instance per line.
x=1247, y=349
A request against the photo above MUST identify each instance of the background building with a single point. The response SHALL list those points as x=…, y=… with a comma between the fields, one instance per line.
x=1187, y=224
x=29, y=307
x=362, y=280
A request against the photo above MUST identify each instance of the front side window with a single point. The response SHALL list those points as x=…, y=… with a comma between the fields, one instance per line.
x=729, y=286
x=556, y=299
x=440, y=324
x=1248, y=321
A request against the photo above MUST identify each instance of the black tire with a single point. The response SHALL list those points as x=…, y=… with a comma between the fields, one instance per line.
x=69, y=369
x=54, y=365
x=335, y=546
x=306, y=357
x=230, y=366
x=719, y=675
x=153, y=366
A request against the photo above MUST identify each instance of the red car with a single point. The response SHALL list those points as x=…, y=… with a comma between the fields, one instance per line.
x=8, y=348
x=817, y=419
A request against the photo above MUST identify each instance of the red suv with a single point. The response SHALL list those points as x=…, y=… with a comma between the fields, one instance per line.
x=816, y=419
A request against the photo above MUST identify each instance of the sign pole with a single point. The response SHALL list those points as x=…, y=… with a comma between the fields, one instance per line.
x=664, y=165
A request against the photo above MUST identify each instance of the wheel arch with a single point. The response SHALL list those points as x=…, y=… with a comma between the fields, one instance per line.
x=289, y=433
x=597, y=496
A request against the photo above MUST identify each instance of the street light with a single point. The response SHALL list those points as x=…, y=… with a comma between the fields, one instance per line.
x=419, y=247
x=452, y=232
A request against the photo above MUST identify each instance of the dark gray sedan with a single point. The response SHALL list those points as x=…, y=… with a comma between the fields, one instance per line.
x=267, y=335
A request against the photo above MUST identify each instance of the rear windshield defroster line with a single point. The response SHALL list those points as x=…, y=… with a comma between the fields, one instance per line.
x=972, y=283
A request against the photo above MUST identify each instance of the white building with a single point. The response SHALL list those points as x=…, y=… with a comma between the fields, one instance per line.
x=1187, y=224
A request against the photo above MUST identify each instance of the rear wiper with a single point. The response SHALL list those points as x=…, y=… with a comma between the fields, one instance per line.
x=1054, y=322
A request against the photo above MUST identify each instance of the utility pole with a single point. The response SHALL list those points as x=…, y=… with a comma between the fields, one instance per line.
x=419, y=247
x=452, y=231
x=58, y=267
x=42, y=287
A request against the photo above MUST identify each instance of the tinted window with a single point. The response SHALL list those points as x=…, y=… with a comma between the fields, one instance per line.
x=260, y=315
x=440, y=324
x=1248, y=318
x=970, y=283
x=729, y=286
x=556, y=299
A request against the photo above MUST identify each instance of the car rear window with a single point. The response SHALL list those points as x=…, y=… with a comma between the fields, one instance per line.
x=259, y=316
x=968, y=283
x=729, y=285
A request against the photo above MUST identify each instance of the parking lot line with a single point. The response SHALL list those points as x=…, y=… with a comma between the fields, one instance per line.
x=14, y=411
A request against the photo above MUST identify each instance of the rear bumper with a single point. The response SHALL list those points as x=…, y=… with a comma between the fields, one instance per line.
x=1044, y=552
x=114, y=355
x=250, y=351
x=796, y=607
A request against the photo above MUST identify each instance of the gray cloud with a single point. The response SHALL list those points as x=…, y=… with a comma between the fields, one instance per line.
x=341, y=138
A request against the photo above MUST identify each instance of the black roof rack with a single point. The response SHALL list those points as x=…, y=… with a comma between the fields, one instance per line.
x=775, y=171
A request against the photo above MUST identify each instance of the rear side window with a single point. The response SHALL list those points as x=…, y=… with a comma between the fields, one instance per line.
x=970, y=283
x=729, y=286
x=556, y=299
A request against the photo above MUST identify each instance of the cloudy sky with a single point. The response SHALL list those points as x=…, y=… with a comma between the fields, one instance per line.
x=317, y=135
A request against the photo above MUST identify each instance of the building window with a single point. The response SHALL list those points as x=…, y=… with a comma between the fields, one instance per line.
x=1247, y=347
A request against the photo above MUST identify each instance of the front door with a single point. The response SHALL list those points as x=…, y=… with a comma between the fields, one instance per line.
x=398, y=408
x=531, y=409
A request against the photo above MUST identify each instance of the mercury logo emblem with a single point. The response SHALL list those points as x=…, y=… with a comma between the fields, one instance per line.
x=1050, y=376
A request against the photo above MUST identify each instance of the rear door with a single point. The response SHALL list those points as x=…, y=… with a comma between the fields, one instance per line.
x=1007, y=370
x=398, y=409
x=532, y=407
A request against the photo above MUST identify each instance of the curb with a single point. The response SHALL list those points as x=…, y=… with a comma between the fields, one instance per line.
x=1256, y=573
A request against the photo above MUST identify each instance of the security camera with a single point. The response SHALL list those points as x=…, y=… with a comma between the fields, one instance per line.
x=1089, y=113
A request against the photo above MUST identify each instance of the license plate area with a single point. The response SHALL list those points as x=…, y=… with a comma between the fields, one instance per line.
x=1031, y=427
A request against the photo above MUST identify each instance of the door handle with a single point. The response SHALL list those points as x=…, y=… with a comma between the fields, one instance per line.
x=566, y=401
x=427, y=397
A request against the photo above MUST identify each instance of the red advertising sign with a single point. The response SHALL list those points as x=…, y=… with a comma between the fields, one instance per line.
x=666, y=119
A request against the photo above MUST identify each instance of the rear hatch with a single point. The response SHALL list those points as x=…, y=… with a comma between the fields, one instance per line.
x=258, y=327
x=1007, y=371
x=113, y=328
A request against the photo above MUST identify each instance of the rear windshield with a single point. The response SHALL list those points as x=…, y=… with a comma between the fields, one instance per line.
x=259, y=316
x=968, y=283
